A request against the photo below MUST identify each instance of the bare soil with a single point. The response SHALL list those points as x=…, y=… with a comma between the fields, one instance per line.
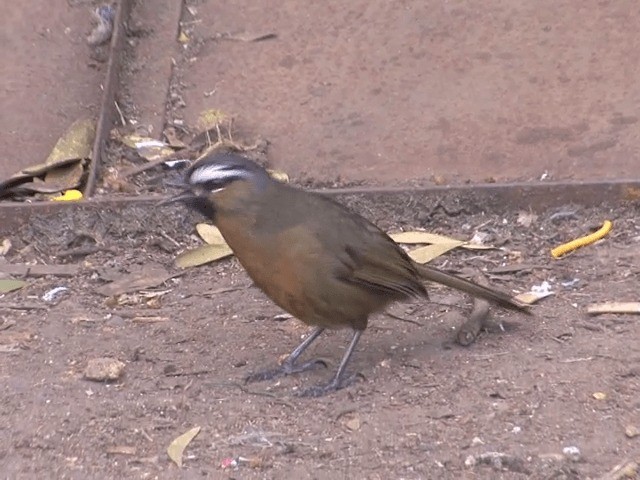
x=418, y=92
x=424, y=408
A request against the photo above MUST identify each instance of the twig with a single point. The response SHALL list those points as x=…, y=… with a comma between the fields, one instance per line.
x=167, y=237
x=26, y=306
x=124, y=122
x=187, y=374
x=83, y=251
x=408, y=320
x=248, y=391
x=146, y=435
x=490, y=355
x=574, y=360
x=155, y=163
x=211, y=293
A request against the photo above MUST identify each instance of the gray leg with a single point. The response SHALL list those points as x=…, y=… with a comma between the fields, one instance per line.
x=289, y=366
x=339, y=380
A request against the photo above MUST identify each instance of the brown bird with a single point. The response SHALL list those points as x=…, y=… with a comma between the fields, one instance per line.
x=324, y=264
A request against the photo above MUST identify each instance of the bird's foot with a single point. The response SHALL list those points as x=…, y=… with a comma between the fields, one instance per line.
x=287, y=368
x=337, y=383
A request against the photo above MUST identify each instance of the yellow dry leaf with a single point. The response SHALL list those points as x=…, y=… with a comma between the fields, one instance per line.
x=183, y=37
x=429, y=252
x=203, y=254
x=132, y=140
x=9, y=285
x=528, y=298
x=177, y=447
x=415, y=237
x=210, y=234
x=279, y=176
x=75, y=143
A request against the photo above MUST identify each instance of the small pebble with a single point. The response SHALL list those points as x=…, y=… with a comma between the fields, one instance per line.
x=476, y=441
x=104, y=369
x=632, y=431
x=572, y=453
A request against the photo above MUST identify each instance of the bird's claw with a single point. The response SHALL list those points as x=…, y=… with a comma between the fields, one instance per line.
x=284, y=370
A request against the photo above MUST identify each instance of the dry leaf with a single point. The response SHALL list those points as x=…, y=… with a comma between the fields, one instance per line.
x=176, y=448
x=429, y=252
x=76, y=143
x=437, y=244
x=183, y=37
x=65, y=178
x=600, y=396
x=203, y=254
x=210, y=234
x=150, y=275
x=417, y=237
x=8, y=285
x=278, y=175
x=528, y=298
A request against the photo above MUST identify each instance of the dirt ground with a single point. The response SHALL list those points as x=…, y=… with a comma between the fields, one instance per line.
x=425, y=408
x=416, y=92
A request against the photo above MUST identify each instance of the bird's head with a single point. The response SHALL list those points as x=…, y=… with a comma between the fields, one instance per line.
x=221, y=180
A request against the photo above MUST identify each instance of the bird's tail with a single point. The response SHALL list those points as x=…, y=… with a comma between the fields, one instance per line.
x=490, y=294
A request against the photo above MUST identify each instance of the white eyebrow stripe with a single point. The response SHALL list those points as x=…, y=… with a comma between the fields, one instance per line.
x=214, y=173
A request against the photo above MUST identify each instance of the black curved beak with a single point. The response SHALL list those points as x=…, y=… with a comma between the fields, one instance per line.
x=183, y=196
x=180, y=197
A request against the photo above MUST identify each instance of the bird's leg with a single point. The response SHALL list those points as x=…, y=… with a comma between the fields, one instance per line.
x=339, y=380
x=289, y=366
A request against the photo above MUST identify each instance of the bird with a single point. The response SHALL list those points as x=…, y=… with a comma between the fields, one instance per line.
x=319, y=261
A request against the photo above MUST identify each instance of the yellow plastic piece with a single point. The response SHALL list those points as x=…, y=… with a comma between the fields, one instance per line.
x=582, y=241
x=69, y=196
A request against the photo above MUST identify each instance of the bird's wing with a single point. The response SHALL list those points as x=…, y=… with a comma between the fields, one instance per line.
x=375, y=262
